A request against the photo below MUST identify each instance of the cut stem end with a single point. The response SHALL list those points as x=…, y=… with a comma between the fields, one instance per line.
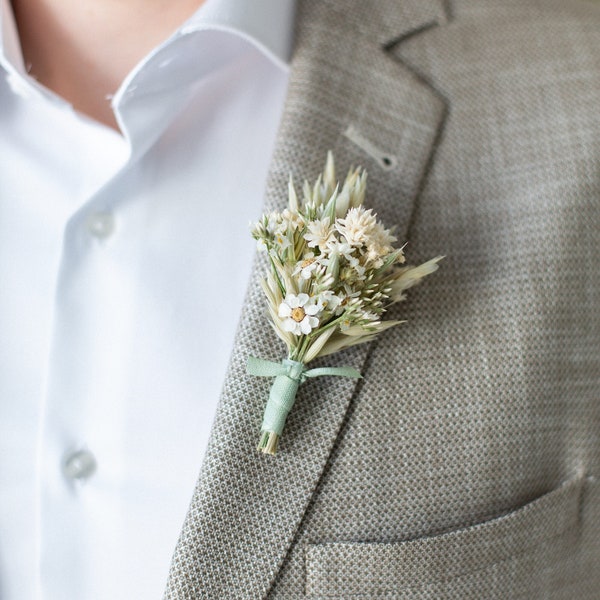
x=268, y=443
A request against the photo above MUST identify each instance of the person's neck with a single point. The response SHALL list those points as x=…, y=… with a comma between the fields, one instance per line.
x=83, y=49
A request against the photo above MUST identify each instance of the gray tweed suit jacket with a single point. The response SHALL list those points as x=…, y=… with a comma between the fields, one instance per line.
x=466, y=463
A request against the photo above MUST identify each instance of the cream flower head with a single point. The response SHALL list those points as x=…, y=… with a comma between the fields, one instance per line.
x=333, y=268
x=320, y=234
x=358, y=226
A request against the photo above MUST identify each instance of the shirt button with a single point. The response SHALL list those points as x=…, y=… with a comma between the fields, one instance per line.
x=80, y=464
x=101, y=225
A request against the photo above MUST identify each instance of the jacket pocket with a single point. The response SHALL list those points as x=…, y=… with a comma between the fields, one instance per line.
x=455, y=564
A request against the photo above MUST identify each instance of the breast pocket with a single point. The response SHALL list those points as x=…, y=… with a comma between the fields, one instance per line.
x=517, y=555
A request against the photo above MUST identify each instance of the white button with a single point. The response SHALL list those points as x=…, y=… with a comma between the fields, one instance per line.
x=101, y=225
x=80, y=464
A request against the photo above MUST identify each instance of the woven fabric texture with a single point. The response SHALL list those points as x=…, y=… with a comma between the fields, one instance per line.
x=465, y=464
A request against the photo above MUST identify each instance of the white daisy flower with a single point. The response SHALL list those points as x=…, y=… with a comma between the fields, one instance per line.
x=282, y=240
x=329, y=301
x=299, y=314
x=305, y=268
x=342, y=249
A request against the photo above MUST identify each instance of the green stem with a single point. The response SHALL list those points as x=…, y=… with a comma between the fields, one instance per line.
x=304, y=348
x=307, y=339
x=329, y=325
x=276, y=275
x=300, y=350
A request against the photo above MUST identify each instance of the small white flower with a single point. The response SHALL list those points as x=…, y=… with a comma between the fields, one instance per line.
x=300, y=314
x=329, y=301
x=342, y=249
x=291, y=220
x=305, y=268
x=282, y=240
x=261, y=245
x=273, y=221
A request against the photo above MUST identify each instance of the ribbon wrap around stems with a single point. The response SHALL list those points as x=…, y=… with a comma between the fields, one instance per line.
x=289, y=374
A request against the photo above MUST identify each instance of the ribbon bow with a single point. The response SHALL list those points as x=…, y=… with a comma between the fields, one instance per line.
x=289, y=374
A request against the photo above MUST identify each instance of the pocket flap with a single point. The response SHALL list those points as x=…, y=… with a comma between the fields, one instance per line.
x=377, y=568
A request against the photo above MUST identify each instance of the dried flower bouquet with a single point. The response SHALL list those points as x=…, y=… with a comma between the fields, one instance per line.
x=333, y=273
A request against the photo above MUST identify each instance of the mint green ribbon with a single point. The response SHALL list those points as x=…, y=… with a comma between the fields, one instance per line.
x=289, y=374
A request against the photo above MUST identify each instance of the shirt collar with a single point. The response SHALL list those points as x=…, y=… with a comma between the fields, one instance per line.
x=10, y=47
x=147, y=99
x=268, y=24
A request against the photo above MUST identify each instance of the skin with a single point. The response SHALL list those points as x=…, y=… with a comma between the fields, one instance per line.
x=83, y=49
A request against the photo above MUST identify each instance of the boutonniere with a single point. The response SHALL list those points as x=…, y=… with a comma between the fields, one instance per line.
x=334, y=271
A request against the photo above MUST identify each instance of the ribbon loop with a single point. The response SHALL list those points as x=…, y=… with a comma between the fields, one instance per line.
x=264, y=368
x=335, y=371
x=295, y=370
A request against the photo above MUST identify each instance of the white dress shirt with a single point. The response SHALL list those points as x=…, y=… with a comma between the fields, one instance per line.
x=123, y=266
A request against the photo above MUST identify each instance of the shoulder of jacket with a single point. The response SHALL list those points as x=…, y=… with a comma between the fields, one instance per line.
x=566, y=11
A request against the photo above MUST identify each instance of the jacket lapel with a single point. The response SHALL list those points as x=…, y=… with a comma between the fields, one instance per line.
x=348, y=95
